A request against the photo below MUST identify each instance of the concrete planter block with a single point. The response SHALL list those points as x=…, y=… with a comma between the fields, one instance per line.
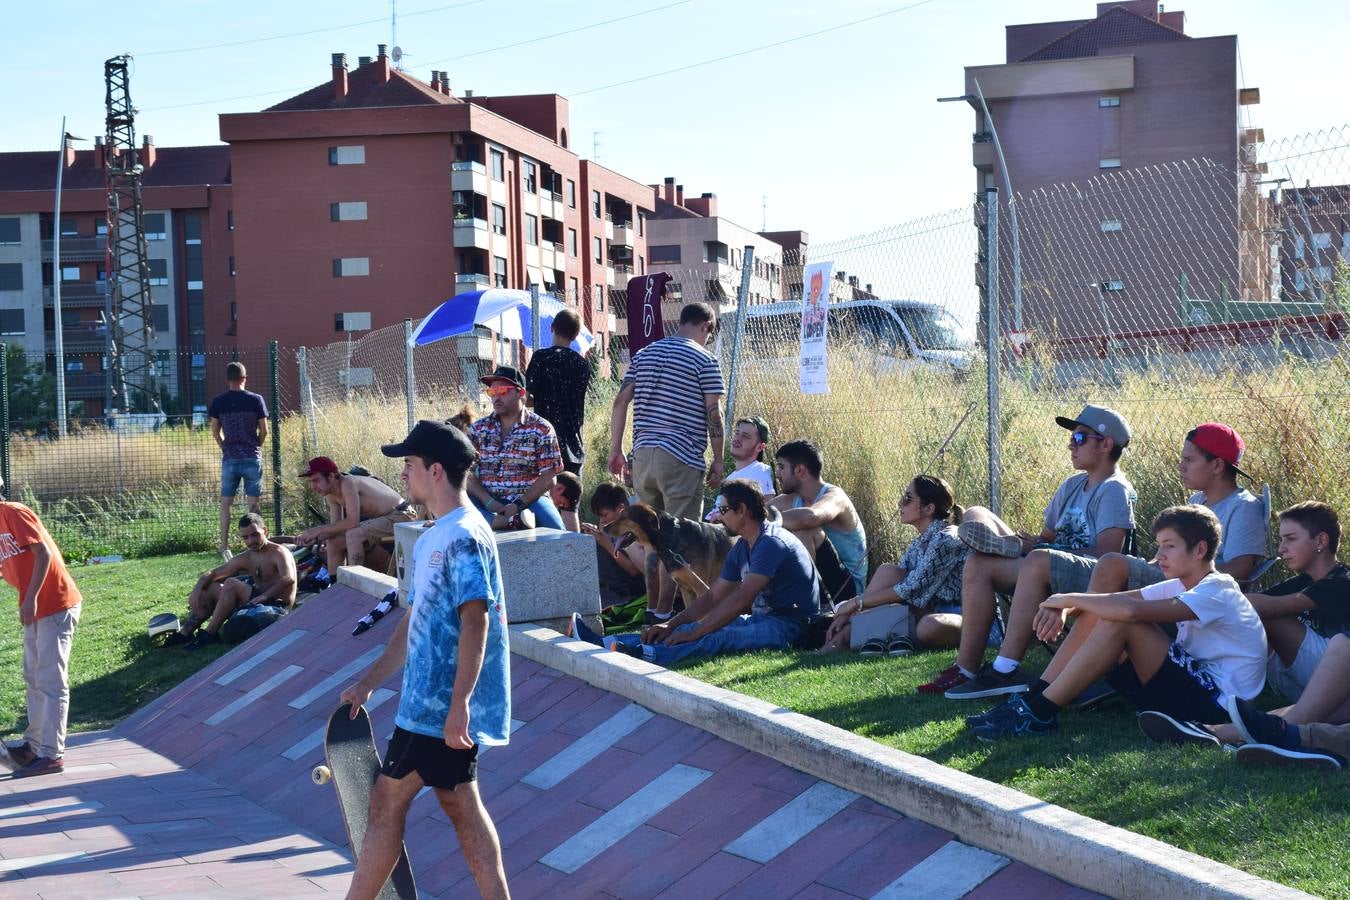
x=548, y=574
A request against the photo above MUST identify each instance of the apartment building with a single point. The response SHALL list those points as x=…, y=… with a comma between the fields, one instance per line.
x=1125, y=90
x=378, y=193
x=703, y=251
x=1314, y=227
x=186, y=199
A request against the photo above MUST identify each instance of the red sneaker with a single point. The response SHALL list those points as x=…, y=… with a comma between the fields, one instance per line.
x=947, y=679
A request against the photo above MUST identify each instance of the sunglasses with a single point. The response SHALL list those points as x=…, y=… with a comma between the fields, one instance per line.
x=722, y=510
x=1079, y=438
x=502, y=390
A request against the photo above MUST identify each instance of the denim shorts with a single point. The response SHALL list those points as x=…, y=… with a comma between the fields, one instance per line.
x=233, y=471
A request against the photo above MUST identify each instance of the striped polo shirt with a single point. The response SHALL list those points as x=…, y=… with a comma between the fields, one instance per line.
x=670, y=378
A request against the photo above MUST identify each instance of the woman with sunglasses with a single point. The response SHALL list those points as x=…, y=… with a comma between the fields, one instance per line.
x=927, y=580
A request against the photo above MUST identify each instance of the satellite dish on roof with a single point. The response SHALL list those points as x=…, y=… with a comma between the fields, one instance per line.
x=397, y=54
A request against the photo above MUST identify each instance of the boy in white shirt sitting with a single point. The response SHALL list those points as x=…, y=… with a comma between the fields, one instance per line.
x=1219, y=651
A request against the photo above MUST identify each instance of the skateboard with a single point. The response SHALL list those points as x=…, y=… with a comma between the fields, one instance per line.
x=353, y=764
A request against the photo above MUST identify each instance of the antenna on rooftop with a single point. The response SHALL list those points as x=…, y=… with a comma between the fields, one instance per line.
x=393, y=34
x=595, y=145
x=763, y=212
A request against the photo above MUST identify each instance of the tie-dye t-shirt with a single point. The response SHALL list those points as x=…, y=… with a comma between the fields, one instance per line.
x=455, y=562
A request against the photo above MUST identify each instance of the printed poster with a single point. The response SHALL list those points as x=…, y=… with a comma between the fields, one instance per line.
x=815, y=310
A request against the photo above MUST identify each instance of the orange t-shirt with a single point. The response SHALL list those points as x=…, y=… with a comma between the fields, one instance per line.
x=20, y=529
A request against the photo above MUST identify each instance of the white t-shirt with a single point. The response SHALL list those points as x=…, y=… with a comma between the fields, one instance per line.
x=1226, y=637
x=755, y=471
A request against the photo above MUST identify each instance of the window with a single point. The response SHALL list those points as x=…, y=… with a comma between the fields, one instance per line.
x=159, y=271
x=159, y=316
x=599, y=298
x=499, y=271
x=599, y=250
x=231, y=266
x=1107, y=102
x=1321, y=240
x=70, y=273
x=347, y=156
x=1111, y=225
x=154, y=227
x=571, y=194
x=11, y=322
x=1113, y=287
x=354, y=211
x=1298, y=246
x=498, y=218
x=9, y=231
x=571, y=242
x=100, y=227
x=234, y=311
x=532, y=230
x=1111, y=162
x=595, y=204
x=665, y=254
x=530, y=176
x=68, y=228
x=75, y=365
x=351, y=266
x=229, y=219
x=642, y=265
x=11, y=276
x=498, y=159
x=1322, y=273
x=1299, y=282
x=642, y=222
x=572, y=290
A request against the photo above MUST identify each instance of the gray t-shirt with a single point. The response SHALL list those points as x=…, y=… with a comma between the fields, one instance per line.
x=1243, y=523
x=1079, y=515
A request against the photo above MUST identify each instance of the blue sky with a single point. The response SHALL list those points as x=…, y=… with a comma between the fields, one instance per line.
x=840, y=131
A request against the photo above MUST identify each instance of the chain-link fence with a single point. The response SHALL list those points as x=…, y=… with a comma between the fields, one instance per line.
x=1180, y=293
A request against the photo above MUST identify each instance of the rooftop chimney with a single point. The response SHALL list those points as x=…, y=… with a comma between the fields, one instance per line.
x=669, y=189
x=339, y=76
x=363, y=60
x=679, y=194
x=382, y=61
x=98, y=152
x=435, y=80
x=147, y=151
x=445, y=83
x=468, y=95
x=68, y=152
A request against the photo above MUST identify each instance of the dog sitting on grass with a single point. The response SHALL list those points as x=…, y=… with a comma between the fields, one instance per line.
x=692, y=551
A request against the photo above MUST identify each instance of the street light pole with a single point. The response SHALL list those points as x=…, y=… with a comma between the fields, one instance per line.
x=56, y=289
x=978, y=97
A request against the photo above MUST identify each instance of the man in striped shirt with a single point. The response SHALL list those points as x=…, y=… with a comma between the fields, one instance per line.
x=675, y=389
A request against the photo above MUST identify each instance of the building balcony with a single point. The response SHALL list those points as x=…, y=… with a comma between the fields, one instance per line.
x=533, y=255
x=467, y=175
x=77, y=249
x=551, y=206
x=623, y=272
x=609, y=227
x=609, y=276
x=84, y=385
x=78, y=294
x=80, y=338
x=472, y=233
x=551, y=256
x=622, y=235
x=471, y=281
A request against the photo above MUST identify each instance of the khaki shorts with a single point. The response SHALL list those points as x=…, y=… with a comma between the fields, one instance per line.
x=381, y=528
x=668, y=484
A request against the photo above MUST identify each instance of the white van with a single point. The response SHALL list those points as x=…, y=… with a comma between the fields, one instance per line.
x=897, y=330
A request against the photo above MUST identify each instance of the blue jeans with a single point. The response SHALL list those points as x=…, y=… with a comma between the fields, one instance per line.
x=737, y=636
x=233, y=471
x=545, y=513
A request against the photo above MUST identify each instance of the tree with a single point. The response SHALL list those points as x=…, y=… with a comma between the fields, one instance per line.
x=32, y=392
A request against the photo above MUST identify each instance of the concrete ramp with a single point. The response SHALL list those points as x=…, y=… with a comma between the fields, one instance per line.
x=206, y=792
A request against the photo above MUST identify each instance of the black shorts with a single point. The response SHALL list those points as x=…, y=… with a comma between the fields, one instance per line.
x=438, y=765
x=1171, y=690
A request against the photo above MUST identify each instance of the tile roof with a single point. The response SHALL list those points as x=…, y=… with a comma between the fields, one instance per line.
x=365, y=88
x=1117, y=27
x=174, y=167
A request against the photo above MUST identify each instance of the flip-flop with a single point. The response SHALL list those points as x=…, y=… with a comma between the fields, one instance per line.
x=873, y=647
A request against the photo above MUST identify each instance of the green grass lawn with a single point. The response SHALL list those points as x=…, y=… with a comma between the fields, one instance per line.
x=114, y=668
x=1289, y=827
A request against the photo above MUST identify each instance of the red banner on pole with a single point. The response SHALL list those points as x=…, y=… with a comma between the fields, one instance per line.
x=645, y=323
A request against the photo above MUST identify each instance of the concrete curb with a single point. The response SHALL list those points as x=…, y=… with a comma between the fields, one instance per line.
x=1079, y=850
x=367, y=581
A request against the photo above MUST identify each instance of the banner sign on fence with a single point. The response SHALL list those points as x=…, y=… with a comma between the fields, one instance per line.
x=645, y=324
x=815, y=310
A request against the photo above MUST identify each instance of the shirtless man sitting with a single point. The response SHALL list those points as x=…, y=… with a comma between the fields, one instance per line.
x=362, y=512
x=270, y=569
x=817, y=512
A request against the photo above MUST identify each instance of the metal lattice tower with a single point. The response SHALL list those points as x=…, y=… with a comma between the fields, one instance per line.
x=132, y=371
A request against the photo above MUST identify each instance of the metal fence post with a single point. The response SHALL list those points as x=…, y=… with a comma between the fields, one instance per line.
x=4, y=418
x=992, y=343
x=742, y=301
x=275, y=400
x=307, y=399
x=409, y=377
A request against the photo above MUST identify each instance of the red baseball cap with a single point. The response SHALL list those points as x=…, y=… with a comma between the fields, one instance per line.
x=319, y=465
x=1220, y=440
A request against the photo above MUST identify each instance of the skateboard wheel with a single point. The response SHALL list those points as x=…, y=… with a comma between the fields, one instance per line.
x=321, y=774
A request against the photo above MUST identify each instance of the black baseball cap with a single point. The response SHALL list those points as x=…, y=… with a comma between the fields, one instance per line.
x=437, y=441
x=505, y=373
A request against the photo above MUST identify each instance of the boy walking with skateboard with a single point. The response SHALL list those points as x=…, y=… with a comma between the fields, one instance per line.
x=452, y=648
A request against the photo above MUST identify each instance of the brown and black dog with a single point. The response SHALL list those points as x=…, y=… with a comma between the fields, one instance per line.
x=691, y=551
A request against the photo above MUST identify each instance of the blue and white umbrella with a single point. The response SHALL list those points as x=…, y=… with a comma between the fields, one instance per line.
x=506, y=312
